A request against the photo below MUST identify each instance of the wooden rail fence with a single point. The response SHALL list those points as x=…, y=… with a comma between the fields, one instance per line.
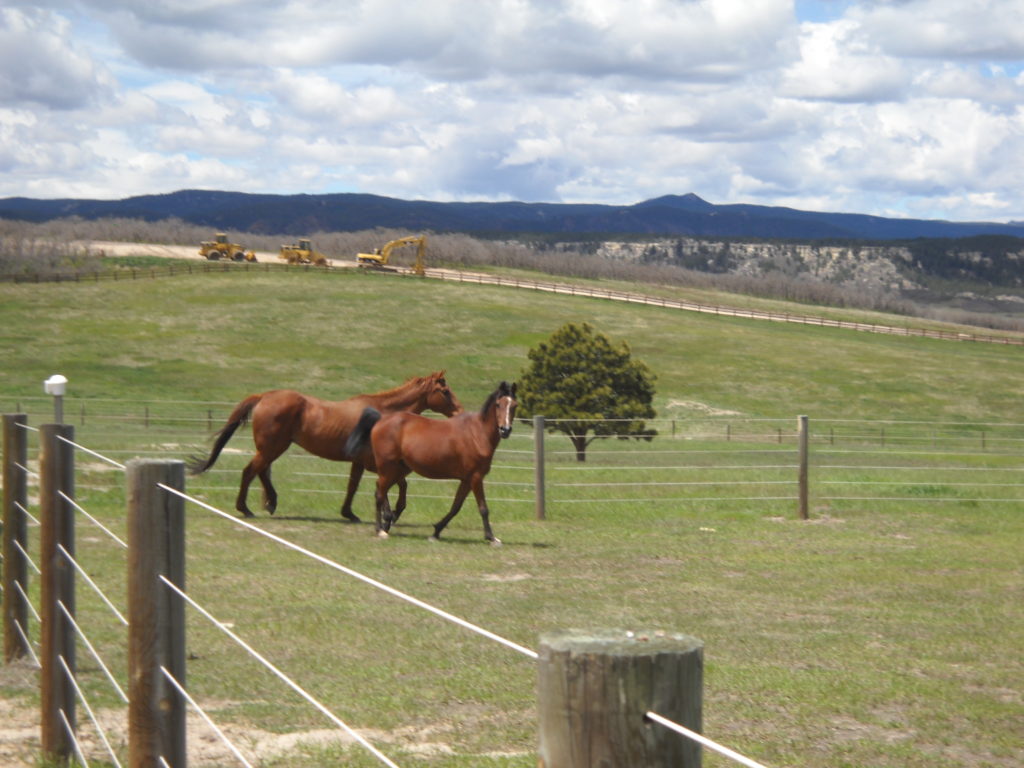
x=135, y=273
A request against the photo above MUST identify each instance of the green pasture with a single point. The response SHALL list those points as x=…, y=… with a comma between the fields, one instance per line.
x=885, y=631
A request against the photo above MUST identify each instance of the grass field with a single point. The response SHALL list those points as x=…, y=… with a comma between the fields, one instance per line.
x=879, y=633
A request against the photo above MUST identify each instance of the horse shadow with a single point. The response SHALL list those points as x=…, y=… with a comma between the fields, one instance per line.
x=403, y=530
x=424, y=531
x=312, y=519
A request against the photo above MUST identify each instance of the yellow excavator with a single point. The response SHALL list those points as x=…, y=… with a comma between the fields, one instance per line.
x=379, y=258
x=302, y=252
x=219, y=248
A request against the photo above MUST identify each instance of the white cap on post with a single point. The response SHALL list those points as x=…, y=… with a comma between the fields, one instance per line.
x=56, y=386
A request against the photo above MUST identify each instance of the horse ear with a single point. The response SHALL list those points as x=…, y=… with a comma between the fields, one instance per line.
x=514, y=387
x=503, y=388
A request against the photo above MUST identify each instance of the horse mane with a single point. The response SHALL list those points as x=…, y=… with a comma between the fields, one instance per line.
x=491, y=400
x=503, y=389
x=411, y=380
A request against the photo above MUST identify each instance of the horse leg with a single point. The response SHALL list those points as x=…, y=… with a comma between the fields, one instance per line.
x=353, y=483
x=383, y=508
x=460, y=496
x=272, y=440
x=481, y=503
x=403, y=486
x=248, y=474
x=269, y=492
x=259, y=466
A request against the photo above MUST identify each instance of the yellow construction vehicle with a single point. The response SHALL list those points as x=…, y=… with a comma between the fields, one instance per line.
x=302, y=252
x=379, y=258
x=219, y=248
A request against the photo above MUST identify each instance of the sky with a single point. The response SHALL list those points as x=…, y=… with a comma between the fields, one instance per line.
x=905, y=108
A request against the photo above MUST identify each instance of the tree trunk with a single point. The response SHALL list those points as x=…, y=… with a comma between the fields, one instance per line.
x=580, y=443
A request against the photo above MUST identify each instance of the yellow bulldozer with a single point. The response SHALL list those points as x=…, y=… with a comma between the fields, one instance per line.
x=219, y=248
x=380, y=256
x=303, y=252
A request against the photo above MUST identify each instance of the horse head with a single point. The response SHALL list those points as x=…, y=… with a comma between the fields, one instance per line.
x=439, y=396
x=505, y=406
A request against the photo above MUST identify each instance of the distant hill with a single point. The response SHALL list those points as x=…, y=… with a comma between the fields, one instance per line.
x=680, y=215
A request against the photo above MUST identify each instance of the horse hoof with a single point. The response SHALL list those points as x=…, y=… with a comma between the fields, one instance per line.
x=433, y=539
x=350, y=518
x=495, y=542
x=382, y=534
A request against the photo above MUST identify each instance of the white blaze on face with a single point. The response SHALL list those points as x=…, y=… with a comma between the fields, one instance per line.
x=506, y=408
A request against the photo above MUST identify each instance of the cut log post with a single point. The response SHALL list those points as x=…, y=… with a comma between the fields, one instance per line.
x=595, y=688
x=15, y=535
x=56, y=589
x=156, y=616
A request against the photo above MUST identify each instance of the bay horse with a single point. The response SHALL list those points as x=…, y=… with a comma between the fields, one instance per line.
x=281, y=417
x=458, y=449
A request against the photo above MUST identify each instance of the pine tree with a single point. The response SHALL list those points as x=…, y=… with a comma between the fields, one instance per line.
x=587, y=388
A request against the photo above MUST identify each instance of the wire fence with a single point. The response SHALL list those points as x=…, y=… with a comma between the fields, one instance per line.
x=114, y=672
x=691, y=461
x=65, y=656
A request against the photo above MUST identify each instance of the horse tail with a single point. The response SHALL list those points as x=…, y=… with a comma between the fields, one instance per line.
x=359, y=436
x=197, y=464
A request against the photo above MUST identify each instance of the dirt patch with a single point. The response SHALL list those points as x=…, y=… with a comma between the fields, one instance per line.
x=109, y=248
x=20, y=732
x=693, y=405
x=847, y=729
x=20, y=738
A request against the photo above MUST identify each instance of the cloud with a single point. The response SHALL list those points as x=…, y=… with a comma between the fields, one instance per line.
x=838, y=62
x=40, y=64
x=977, y=30
x=462, y=39
x=912, y=107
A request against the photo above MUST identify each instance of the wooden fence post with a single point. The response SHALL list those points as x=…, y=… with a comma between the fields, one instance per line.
x=594, y=690
x=15, y=531
x=156, y=615
x=538, y=467
x=802, y=440
x=57, y=587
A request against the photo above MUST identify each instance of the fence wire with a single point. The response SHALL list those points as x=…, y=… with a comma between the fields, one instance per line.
x=278, y=673
x=206, y=718
x=95, y=587
x=702, y=740
x=357, y=575
x=92, y=716
x=92, y=650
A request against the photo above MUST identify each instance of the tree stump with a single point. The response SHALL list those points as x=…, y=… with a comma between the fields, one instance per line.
x=595, y=688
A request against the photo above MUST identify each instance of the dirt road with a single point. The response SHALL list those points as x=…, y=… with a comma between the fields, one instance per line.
x=109, y=248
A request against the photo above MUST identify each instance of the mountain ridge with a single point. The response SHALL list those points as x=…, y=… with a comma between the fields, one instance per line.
x=680, y=215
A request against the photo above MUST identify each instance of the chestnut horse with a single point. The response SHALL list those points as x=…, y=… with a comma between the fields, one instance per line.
x=458, y=449
x=281, y=417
